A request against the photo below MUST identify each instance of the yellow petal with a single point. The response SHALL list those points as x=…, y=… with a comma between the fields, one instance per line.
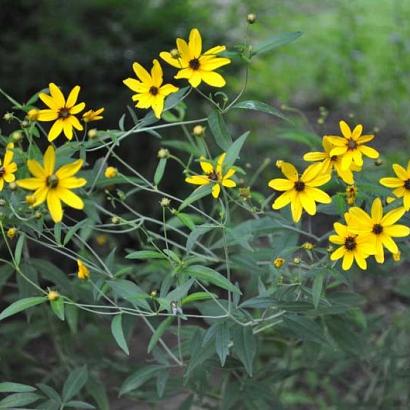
x=345, y=129
x=400, y=172
x=318, y=195
x=347, y=261
x=49, y=160
x=156, y=74
x=206, y=166
x=377, y=211
x=357, y=132
x=289, y=171
x=283, y=200
x=229, y=183
x=57, y=95
x=55, y=130
x=197, y=180
x=391, y=182
x=166, y=56
x=40, y=195
x=36, y=169
x=70, y=198
x=68, y=129
x=195, y=43
x=392, y=216
x=281, y=184
x=54, y=206
x=398, y=231
x=8, y=156
x=167, y=89
x=361, y=262
x=50, y=102
x=77, y=108
x=338, y=253
x=47, y=115
x=213, y=79
x=389, y=243
x=368, y=151
x=75, y=123
x=158, y=106
x=314, y=156
x=307, y=203
x=296, y=209
x=69, y=170
x=73, y=96
x=142, y=73
x=30, y=183
x=216, y=189
x=72, y=182
x=210, y=63
x=219, y=163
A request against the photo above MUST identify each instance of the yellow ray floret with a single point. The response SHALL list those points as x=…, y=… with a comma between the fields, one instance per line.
x=61, y=111
x=351, y=146
x=214, y=175
x=401, y=184
x=54, y=186
x=301, y=191
x=352, y=247
x=194, y=65
x=380, y=228
x=8, y=167
x=150, y=92
x=332, y=162
x=83, y=272
x=93, y=115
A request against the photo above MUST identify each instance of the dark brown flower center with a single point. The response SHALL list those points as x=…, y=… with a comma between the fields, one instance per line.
x=153, y=90
x=377, y=229
x=407, y=184
x=52, y=181
x=351, y=144
x=213, y=176
x=2, y=171
x=194, y=64
x=333, y=158
x=299, y=186
x=350, y=243
x=64, y=112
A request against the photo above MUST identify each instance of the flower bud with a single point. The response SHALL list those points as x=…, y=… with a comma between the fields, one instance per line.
x=308, y=246
x=397, y=256
x=163, y=153
x=101, y=239
x=245, y=193
x=198, y=131
x=297, y=260
x=24, y=124
x=13, y=186
x=378, y=162
x=174, y=53
x=8, y=116
x=278, y=263
x=33, y=114
x=251, y=18
x=111, y=172
x=279, y=163
x=38, y=215
x=17, y=136
x=30, y=199
x=115, y=220
x=92, y=133
x=165, y=202
x=52, y=295
x=2, y=202
x=11, y=233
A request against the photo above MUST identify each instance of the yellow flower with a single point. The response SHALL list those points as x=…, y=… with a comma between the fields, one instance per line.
x=331, y=162
x=83, y=272
x=194, y=65
x=401, y=184
x=52, y=295
x=352, y=247
x=381, y=229
x=300, y=191
x=61, y=111
x=150, y=93
x=54, y=186
x=11, y=233
x=8, y=168
x=351, y=146
x=214, y=175
x=93, y=115
x=111, y=172
x=278, y=263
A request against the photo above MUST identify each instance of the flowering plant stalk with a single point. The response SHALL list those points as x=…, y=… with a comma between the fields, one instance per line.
x=217, y=275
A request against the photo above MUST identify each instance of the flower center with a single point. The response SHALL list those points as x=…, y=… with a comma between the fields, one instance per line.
x=64, y=113
x=299, y=186
x=350, y=243
x=52, y=181
x=333, y=158
x=351, y=144
x=2, y=171
x=153, y=90
x=194, y=64
x=213, y=176
x=377, y=229
x=407, y=184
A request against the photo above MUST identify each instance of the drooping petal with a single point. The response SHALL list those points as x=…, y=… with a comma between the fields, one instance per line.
x=347, y=261
x=55, y=130
x=213, y=79
x=361, y=262
x=216, y=189
x=54, y=206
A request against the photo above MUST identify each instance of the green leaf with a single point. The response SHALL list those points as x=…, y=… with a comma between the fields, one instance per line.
x=197, y=297
x=118, y=333
x=57, y=306
x=21, y=305
x=140, y=377
x=300, y=136
x=9, y=387
x=197, y=194
x=203, y=273
x=196, y=234
x=186, y=220
x=146, y=255
x=317, y=287
x=261, y=107
x=244, y=345
x=19, y=249
x=57, y=233
x=162, y=379
x=159, y=331
x=97, y=390
x=18, y=400
x=305, y=328
x=159, y=172
x=218, y=127
x=233, y=151
x=130, y=291
x=77, y=404
x=222, y=339
x=74, y=383
x=275, y=41
x=49, y=392
x=71, y=314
